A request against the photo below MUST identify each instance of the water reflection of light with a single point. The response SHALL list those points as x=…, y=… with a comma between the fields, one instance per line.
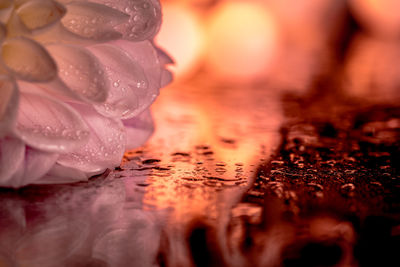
x=212, y=131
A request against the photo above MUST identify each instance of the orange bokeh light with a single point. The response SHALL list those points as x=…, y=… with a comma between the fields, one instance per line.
x=182, y=35
x=242, y=41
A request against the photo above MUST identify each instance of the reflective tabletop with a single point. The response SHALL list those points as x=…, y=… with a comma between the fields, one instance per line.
x=234, y=176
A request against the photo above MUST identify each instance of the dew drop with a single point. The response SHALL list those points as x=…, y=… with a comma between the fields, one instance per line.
x=348, y=189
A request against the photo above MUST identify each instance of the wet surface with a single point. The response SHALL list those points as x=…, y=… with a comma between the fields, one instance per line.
x=225, y=181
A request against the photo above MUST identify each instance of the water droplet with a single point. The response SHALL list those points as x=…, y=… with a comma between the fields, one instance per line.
x=142, y=84
x=348, y=189
x=316, y=189
x=220, y=170
x=64, y=133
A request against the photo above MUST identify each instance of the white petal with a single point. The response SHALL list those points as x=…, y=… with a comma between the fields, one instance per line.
x=105, y=147
x=9, y=98
x=146, y=56
x=144, y=18
x=164, y=58
x=35, y=165
x=80, y=71
x=138, y=129
x=49, y=125
x=38, y=14
x=12, y=152
x=61, y=35
x=61, y=175
x=127, y=82
x=28, y=60
x=166, y=77
x=93, y=21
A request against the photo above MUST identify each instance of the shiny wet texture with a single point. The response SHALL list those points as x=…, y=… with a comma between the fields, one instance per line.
x=223, y=184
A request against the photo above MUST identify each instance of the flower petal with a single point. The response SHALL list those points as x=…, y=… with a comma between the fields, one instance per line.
x=93, y=21
x=9, y=98
x=80, y=72
x=15, y=26
x=38, y=14
x=49, y=125
x=28, y=60
x=166, y=77
x=59, y=174
x=126, y=78
x=138, y=129
x=105, y=147
x=165, y=59
x=12, y=153
x=61, y=35
x=146, y=56
x=35, y=165
x=144, y=18
x=53, y=240
x=126, y=242
x=6, y=9
x=3, y=32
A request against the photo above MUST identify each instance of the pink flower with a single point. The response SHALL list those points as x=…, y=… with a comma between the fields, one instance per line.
x=76, y=82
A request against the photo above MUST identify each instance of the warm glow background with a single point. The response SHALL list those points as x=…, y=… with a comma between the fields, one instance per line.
x=234, y=59
x=285, y=44
x=231, y=40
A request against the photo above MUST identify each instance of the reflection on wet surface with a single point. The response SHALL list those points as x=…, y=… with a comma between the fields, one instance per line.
x=225, y=182
x=262, y=174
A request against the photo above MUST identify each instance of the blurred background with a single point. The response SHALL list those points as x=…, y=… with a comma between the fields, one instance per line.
x=287, y=45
